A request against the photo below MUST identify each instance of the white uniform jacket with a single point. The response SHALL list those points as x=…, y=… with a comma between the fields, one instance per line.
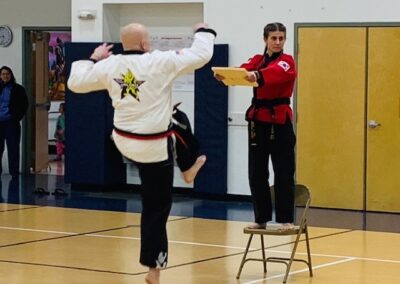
x=140, y=86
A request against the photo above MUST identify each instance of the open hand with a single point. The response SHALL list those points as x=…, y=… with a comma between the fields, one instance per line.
x=102, y=52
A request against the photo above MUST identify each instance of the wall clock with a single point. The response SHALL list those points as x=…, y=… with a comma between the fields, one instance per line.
x=6, y=35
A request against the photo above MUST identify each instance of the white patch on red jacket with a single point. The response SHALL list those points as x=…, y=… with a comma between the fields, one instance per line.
x=285, y=66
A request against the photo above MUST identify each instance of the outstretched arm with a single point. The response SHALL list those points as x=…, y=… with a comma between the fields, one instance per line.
x=83, y=77
x=201, y=51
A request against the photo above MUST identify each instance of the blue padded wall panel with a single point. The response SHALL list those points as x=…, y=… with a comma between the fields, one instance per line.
x=211, y=124
x=91, y=157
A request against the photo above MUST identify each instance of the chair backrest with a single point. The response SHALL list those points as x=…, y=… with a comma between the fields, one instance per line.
x=302, y=198
x=302, y=195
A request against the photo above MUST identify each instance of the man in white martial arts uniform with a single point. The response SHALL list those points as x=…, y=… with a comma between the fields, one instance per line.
x=139, y=83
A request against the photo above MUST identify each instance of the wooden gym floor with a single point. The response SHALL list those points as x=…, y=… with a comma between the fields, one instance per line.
x=92, y=238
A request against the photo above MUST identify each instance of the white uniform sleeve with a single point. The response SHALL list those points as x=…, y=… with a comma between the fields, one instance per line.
x=195, y=57
x=83, y=77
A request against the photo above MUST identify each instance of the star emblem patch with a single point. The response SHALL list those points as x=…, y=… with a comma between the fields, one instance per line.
x=129, y=85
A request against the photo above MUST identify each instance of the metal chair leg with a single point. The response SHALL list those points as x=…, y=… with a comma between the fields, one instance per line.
x=263, y=253
x=292, y=257
x=244, y=257
x=308, y=250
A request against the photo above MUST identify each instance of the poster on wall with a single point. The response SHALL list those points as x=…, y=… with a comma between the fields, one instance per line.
x=57, y=64
x=183, y=83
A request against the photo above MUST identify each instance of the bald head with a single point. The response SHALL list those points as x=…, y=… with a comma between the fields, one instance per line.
x=135, y=37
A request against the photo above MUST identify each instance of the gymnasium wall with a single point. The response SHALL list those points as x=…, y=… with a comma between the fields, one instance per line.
x=39, y=13
x=239, y=24
x=18, y=14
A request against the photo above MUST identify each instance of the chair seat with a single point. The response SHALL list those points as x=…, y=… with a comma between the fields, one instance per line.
x=273, y=231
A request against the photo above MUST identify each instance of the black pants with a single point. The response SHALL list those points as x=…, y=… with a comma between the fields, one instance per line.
x=156, y=190
x=281, y=150
x=10, y=133
x=186, y=145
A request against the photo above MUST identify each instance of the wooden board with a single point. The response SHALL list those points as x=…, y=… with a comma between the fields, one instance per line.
x=234, y=76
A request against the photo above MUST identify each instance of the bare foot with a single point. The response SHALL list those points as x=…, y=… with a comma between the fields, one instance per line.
x=191, y=173
x=257, y=226
x=153, y=276
x=286, y=227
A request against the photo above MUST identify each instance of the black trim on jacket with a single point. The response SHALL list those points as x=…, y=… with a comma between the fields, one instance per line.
x=207, y=31
x=18, y=102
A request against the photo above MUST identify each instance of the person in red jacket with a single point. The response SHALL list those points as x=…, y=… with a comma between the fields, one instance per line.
x=270, y=129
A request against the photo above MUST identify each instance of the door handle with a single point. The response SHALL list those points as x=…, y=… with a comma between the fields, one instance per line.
x=373, y=124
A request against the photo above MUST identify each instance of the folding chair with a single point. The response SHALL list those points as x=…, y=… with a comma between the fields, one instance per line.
x=302, y=199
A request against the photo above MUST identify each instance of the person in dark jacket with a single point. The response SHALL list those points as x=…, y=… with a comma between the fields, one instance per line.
x=13, y=107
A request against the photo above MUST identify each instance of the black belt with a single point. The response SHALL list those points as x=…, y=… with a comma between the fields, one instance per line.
x=257, y=103
x=269, y=103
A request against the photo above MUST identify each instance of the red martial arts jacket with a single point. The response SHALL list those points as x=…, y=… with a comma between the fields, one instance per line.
x=276, y=83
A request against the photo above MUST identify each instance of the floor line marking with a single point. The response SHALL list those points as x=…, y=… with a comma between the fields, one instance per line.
x=64, y=236
x=73, y=267
x=169, y=241
x=21, y=208
x=37, y=230
x=303, y=270
x=196, y=244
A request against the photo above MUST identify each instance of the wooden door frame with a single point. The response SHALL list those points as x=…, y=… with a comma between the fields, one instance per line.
x=297, y=27
x=26, y=136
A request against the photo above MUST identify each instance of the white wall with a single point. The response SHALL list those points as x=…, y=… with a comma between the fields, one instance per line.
x=21, y=13
x=240, y=24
